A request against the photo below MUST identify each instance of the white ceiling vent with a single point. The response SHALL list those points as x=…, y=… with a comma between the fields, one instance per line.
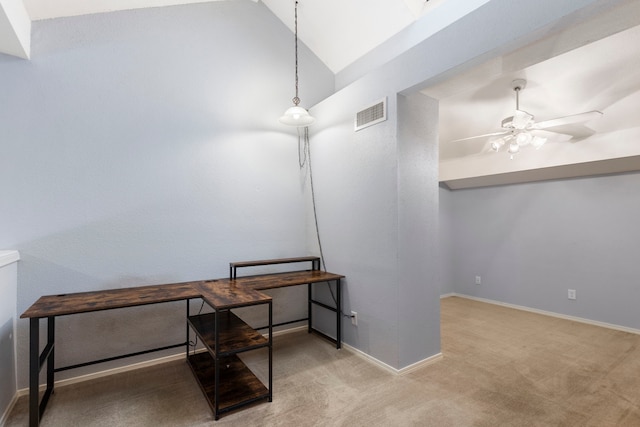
x=371, y=115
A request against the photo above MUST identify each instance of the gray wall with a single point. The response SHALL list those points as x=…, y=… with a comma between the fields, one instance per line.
x=377, y=199
x=445, y=231
x=143, y=147
x=8, y=290
x=418, y=254
x=359, y=175
x=530, y=243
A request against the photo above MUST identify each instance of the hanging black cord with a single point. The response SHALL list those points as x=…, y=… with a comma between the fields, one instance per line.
x=302, y=148
x=307, y=158
x=194, y=343
x=313, y=201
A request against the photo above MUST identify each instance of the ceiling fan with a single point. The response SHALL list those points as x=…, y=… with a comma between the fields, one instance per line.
x=520, y=129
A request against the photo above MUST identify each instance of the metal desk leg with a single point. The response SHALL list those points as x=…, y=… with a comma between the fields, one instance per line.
x=34, y=371
x=309, y=310
x=218, y=359
x=51, y=351
x=36, y=360
x=186, y=350
x=270, y=351
x=338, y=315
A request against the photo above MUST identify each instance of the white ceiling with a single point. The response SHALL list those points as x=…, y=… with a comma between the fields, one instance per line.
x=47, y=9
x=323, y=25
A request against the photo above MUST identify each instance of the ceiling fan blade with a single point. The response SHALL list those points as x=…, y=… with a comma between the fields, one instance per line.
x=486, y=135
x=561, y=121
x=576, y=130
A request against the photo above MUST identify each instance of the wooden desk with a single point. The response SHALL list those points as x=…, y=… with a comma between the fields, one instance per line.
x=221, y=294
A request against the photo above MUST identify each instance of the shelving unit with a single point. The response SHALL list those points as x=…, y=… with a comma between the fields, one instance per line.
x=225, y=380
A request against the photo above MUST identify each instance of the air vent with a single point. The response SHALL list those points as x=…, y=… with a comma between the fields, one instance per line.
x=371, y=115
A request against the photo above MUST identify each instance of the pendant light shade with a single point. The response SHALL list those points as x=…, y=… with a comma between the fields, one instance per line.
x=296, y=115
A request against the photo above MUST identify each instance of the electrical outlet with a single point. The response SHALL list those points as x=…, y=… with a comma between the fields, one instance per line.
x=478, y=280
x=354, y=318
x=571, y=294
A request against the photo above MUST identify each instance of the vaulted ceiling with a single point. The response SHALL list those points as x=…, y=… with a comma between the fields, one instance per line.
x=322, y=25
x=590, y=67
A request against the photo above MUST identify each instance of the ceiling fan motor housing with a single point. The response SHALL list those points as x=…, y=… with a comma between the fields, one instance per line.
x=518, y=84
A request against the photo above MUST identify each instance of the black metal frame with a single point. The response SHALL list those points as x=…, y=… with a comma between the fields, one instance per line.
x=37, y=361
x=218, y=356
x=315, y=265
x=337, y=309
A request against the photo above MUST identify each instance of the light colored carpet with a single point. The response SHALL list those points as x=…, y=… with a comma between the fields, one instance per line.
x=501, y=367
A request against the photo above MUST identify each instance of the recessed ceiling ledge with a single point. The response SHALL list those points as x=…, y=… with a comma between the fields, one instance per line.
x=15, y=29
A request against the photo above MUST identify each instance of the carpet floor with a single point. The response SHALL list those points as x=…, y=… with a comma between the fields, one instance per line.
x=501, y=367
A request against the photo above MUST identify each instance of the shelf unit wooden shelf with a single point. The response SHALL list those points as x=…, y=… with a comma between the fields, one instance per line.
x=224, y=379
x=234, y=335
x=238, y=385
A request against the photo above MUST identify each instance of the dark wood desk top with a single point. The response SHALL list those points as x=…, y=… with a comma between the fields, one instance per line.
x=82, y=302
x=220, y=294
x=280, y=280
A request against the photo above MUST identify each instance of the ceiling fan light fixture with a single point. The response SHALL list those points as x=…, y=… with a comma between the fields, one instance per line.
x=538, y=142
x=524, y=138
x=514, y=148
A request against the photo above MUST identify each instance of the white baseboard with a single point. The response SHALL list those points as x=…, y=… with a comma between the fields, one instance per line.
x=548, y=313
x=288, y=331
x=107, y=372
x=428, y=361
x=420, y=364
x=8, y=410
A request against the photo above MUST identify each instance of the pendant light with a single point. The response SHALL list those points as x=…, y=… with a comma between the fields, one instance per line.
x=296, y=115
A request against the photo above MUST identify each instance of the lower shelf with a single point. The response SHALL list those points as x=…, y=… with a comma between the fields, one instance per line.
x=238, y=386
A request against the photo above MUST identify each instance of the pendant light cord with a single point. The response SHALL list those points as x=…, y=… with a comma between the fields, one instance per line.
x=302, y=147
x=304, y=158
x=296, y=100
